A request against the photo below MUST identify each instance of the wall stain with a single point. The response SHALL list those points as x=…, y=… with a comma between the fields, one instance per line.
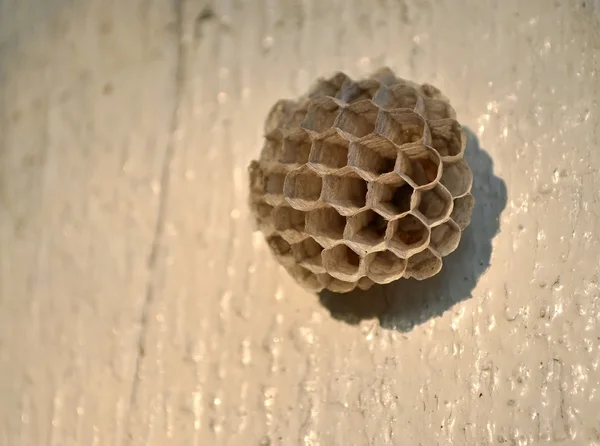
x=207, y=14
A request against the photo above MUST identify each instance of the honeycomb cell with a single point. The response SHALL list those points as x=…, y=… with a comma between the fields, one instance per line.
x=314, y=264
x=409, y=236
x=357, y=119
x=273, y=188
x=392, y=201
x=273, y=146
x=372, y=157
x=302, y=188
x=289, y=222
x=401, y=126
x=364, y=283
x=396, y=96
x=431, y=92
x=366, y=228
x=342, y=263
x=386, y=267
x=445, y=238
x=263, y=215
x=296, y=149
x=435, y=205
x=278, y=115
x=385, y=76
x=256, y=177
x=352, y=92
x=329, y=153
x=326, y=225
x=320, y=116
x=341, y=286
x=457, y=178
x=328, y=87
x=423, y=265
x=347, y=194
x=308, y=254
x=463, y=208
x=306, y=278
x=295, y=118
x=424, y=167
x=448, y=138
x=263, y=210
x=282, y=250
x=325, y=279
x=438, y=109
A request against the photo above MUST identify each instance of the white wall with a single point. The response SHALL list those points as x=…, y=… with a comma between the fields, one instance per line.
x=136, y=305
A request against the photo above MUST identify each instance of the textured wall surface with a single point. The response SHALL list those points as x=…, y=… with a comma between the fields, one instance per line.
x=137, y=307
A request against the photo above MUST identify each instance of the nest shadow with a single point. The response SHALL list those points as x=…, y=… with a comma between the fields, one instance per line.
x=406, y=303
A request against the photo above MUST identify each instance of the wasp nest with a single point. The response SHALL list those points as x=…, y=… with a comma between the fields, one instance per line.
x=362, y=182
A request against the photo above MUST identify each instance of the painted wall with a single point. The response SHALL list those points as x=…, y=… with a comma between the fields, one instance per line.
x=137, y=307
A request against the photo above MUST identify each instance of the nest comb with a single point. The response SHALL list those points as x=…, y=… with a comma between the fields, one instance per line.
x=362, y=182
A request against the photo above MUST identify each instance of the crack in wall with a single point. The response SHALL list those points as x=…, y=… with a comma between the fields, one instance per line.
x=165, y=174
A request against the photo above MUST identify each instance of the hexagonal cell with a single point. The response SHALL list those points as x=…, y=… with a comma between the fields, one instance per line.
x=401, y=126
x=328, y=87
x=296, y=118
x=296, y=149
x=423, y=265
x=409, y=236
x=448, y=139
x=306, y=278
x=357, y=91
x=445, y=238
x=364, y=283
x=272, y=147
x=320, y=116
x=386, y=267
x=263, y=215
x=366, y=228
x=391, y=201
x=463, y=209
x=287, y=219
x=342, y=262
x=308, y=254
x=385, y=75
x=302, y=188
x=281, y=249
x=397, y=96
x=424, y=168
x=435, y=205
x=457, y=178
x=262, y=210
x=256, y=174
x=325, y=223
x=431, y=92
x=329, y=153
x=278, y=114
x=357, y=119
x=273, y=187
x=346, y=193
x=324, y=278
x=372, y=157
x=341, y=286
x=438, y=109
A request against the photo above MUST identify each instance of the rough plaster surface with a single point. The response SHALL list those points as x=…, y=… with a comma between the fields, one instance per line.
x=138, y=308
